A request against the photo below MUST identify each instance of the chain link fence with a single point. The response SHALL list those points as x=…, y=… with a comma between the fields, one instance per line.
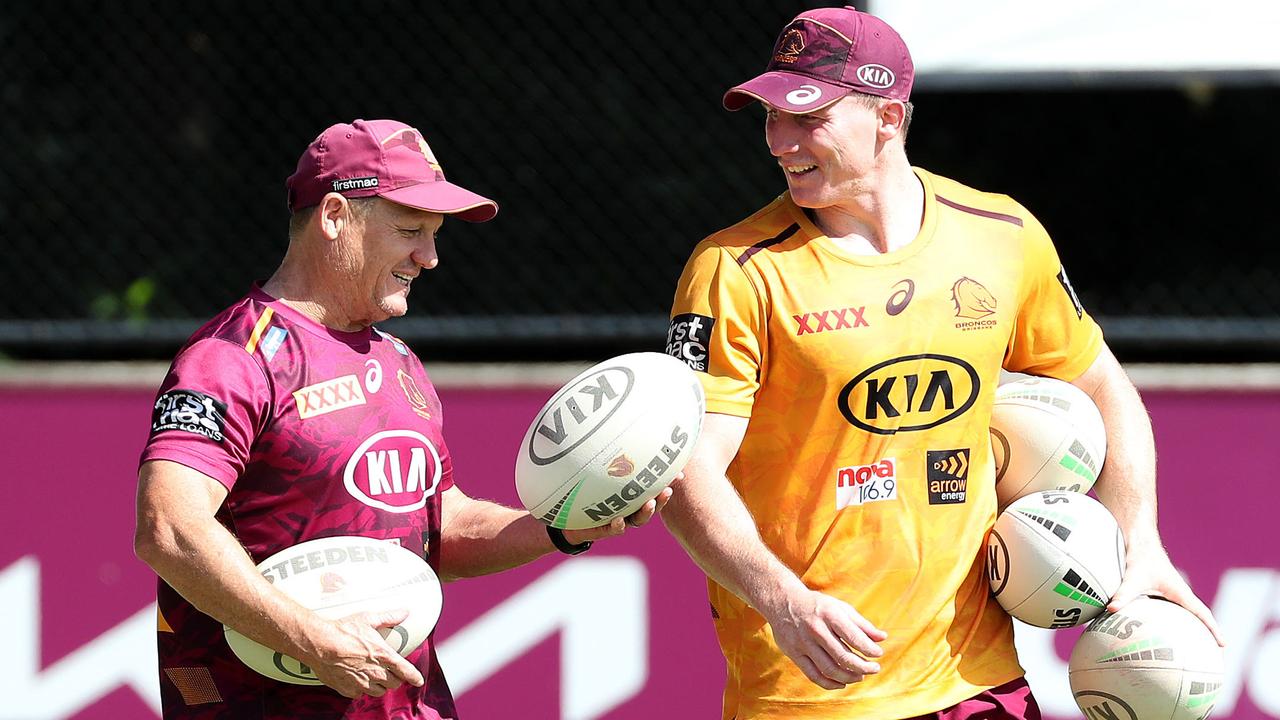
x=146, y=146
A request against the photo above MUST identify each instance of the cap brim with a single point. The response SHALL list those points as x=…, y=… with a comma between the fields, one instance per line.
x=445, y=198
x=786, y=91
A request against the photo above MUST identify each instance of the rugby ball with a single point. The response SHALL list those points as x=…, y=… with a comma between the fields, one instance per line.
x=609, y=440
x=340, y=576
x=1054, y=559
x=1046, y=434
x=1152, y=659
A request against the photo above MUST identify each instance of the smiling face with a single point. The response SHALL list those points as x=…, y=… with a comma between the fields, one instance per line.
x=377, y=259
x=830, y=155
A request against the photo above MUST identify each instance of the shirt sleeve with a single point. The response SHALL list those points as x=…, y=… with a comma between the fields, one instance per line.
x=210, y=408
x=1053, y=336
x=718, y=329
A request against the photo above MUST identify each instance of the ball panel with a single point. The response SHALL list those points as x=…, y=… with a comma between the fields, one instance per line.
x=1051, y=435
x=1060, y=559
x=340, y=576
x=630, y=456
x=1154, y=655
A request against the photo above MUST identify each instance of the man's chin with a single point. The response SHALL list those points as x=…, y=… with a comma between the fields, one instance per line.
x=393, y=307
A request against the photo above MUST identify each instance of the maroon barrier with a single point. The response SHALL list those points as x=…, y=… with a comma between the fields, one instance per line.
x=622, y=632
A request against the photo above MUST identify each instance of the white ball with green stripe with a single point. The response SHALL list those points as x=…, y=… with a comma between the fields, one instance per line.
x=1152, y=659
x=1046, y=434
x=612, y=438
x=1055, y=558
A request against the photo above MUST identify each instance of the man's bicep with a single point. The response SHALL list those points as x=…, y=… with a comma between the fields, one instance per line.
x=718, y=444
x=174, y=489
x=1101, y=373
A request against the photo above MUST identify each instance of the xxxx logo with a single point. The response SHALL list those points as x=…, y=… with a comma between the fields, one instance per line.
x=823, y=320
x=328, y=396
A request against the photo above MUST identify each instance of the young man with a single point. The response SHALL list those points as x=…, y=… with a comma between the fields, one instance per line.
x=289, y=417
x=850, y=337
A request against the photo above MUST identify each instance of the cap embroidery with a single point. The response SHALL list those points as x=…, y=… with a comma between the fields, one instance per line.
x=360, y=183
x=413, y=141
x=790, y=48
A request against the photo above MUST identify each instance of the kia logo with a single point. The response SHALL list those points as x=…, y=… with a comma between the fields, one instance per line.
x=577, y=412
x=905, y=394
x=877, y=76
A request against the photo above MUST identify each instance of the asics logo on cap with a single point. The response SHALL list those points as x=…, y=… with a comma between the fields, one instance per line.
x=805, y=95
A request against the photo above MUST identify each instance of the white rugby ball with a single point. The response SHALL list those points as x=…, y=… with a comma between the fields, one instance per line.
x=340, y=576
x=1153, y=659
x=1054, y=559
x=609, y=440
x=1046, y=434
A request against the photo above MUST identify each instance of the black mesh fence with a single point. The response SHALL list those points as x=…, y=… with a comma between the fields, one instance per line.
x=146, y=145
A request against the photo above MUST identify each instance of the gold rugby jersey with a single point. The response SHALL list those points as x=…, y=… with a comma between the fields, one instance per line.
x=868, y=381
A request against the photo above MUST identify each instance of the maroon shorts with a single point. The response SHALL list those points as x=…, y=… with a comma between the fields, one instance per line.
x=1010, y=701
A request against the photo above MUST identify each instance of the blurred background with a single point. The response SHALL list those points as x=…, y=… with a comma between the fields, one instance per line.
x=142, y=187
x=142, y=190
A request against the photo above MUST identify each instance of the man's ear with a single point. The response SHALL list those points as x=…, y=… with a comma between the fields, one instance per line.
x=333, y=215
x=892, y=116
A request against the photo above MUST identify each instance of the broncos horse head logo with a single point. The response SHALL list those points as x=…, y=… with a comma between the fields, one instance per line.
x=972, y=300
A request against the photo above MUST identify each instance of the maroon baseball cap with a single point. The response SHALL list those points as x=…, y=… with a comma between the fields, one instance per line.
x=384, y=158
x=823, y=55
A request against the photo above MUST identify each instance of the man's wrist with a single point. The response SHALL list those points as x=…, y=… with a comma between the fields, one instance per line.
x=563, y=545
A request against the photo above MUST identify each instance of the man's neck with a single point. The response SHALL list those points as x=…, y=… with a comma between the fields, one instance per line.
x=289, y=288
x=885, y=218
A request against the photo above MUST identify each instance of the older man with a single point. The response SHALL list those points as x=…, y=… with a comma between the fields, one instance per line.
x=287, y=417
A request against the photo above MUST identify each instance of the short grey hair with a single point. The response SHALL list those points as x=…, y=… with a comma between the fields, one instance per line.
x=360, y=209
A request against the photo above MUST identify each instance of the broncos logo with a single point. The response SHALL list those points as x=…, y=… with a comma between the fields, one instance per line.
x=972, y=300
x=792, y=43
x=621, y=466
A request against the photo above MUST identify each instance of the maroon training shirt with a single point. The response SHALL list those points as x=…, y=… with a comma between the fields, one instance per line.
x=315, y=433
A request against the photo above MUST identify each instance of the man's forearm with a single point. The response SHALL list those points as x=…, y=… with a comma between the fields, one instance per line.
x=1127, y=483
x=484, y=537
x=710, y=520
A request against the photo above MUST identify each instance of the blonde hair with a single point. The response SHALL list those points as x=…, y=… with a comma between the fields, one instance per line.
x=872, y=102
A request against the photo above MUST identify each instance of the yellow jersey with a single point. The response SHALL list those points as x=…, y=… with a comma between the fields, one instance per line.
x=868, y=381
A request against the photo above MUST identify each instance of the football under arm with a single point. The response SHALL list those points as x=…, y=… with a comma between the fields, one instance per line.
x=178, y=535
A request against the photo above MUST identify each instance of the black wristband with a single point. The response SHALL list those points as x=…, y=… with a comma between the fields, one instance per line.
x=563, y=545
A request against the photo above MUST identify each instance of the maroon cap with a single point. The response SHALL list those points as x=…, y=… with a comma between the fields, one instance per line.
x=823, y=55
x=384, y=158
